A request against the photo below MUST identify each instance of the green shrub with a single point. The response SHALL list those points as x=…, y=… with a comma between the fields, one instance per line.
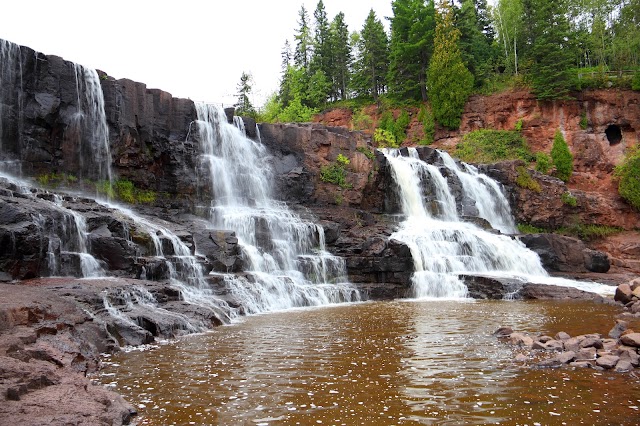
x=385, y=139
x=562, y=158
x=361, y=121
x=628, y=174
x=635, y=83
x=336, y=173
x=525, y=228
x=518, y=125
x=524, y=180
x=543, y=162
x=569, y=199
x=488, y=146
x=367, y=152
x=584, y=122
x=56, y=179
x=125, y=191
x=425, y=116
x=588, y=232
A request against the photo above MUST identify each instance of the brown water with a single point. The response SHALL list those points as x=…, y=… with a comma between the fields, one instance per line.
x=386, y=363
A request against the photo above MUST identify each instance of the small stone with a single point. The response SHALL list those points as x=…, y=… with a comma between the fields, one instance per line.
x=539, y=346
x=608, y=361
x=623, y=365
x=618, y=329
x=630, y=354
x=566, y=357
x=521, y=358
x=503, y=332
x=631, y=339
x=586, y=354
x=623, y=294
x=581, y=364
x=543, y=339
x=550, y=363
x=572, y=344
x=609, y=344
x=591, y=342
x=521, y=339
x=562, y=336
x=554, y=345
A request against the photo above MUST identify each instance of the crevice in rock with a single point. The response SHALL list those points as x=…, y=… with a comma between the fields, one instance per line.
x=614, y=134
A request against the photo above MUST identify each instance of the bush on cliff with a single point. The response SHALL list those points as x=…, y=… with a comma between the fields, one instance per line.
x=562, y=158
x=489, y=146
x=628, y=174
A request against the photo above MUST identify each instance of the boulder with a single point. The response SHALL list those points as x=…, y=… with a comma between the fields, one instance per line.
x=565, y=254
x=608, y=361
x=631, y=339
x=623, y=294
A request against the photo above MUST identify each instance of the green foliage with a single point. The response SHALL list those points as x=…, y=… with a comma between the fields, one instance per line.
x=56, y=179
x=411, y=47
x=336, y=173
x=588, y=232
x=296, y=112
x=488, y=146
x=562, y=158
x=584, y=123
x=366, y=151
x=425, y=116
x=525, y=180
x=628, y=174
x=543, y=163
x=525, y=228
x=449, y=82
x=243, y=105
x=361, y=120
x=343, y=160
x=372, y=59
x=518, y=126
x=125, y=190
x=569, y=199
x=635, y=83
x=385, y=139
x=476, y=39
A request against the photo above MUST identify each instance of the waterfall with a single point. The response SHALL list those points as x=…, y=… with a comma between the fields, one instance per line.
x=442, y=245
x=90, y=126
x=11, y=110
x=287, y=263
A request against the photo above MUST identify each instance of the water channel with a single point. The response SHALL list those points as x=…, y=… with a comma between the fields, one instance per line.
x=376, y=363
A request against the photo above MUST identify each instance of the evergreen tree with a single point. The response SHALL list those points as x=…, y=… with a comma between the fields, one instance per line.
x=304, y=43
x=284, y=94
x=562, y=158
x=341, y=56
x=373, y=57
x=411, y=46
x=449, y=82
x=321, y=60
x=551, y=53
x=243, y=105
x=475, y=45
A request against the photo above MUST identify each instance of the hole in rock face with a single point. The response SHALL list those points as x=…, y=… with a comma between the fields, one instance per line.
x=614, y=134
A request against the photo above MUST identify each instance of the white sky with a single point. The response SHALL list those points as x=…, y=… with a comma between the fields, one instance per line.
x=194, y=49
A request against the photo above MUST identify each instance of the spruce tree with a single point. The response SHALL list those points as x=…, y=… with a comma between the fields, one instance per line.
x=562, y=158
x=449, y=82
x=550, y=52
x=475, y=46
x=373, y=57
x=321, y=59
x=411, y=46
x=341, y=56
x=243, y=105
x=302, y=55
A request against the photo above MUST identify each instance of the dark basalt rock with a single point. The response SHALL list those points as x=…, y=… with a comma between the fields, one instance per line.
x=565, y=254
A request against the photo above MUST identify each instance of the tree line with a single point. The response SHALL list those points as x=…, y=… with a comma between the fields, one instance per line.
x=442, y=52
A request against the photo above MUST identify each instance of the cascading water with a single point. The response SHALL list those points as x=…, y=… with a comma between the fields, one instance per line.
x=444, y=246
x=285, y=256
x=11, y=111
x=185, y=271
x=90, y=126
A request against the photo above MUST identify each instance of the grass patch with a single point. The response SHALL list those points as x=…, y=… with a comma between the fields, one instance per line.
x=525, y=180
x=568, y=199
x=56, y=179
x=124, y=190
x=525, y=228
x=588, y=232
x=489, y=146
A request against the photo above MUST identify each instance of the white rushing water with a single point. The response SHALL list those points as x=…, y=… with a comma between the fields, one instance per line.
x=444, y=246
x=285, y=256
x=90, y=126
x=11, y=111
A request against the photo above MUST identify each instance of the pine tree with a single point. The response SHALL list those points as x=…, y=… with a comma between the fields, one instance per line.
x=244, y=106
x=302, y=55
x=550, y=52
x=321, y=59
x=373, y=57
x=411, y=46
x=341, y=56
x=476, y=48
x=562, y=158
x=449, y=82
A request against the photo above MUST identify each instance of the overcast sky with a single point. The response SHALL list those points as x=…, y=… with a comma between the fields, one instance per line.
x=194, y=49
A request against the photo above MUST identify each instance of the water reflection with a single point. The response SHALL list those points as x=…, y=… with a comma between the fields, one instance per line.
x=397, y=363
